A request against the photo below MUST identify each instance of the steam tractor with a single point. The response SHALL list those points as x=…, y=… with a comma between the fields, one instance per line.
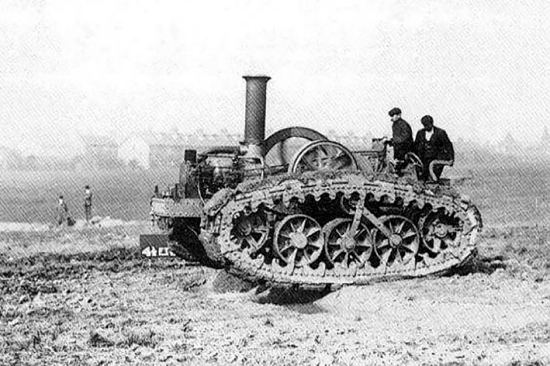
x=299, y=209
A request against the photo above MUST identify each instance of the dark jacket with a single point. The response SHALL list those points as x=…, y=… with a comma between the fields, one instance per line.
x=402, y=139
x=438, y=148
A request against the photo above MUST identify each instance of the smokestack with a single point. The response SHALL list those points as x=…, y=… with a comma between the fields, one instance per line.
x=254, y=123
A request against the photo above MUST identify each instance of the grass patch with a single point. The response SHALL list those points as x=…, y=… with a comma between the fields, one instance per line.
x=144, y=338
x=98, y=340
x=36, y=274
x=521, y=249
x=21, y=244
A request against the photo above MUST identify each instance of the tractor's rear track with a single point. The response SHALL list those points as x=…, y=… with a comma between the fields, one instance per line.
x=442, y=230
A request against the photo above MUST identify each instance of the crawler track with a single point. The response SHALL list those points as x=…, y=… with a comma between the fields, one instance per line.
x=351, y=228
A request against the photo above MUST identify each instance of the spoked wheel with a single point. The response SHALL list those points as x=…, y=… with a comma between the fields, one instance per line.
x=344, y=247
x=281, y=147
x=250, y=231
x=439, y=231
x=402, y=244
x=298, y=240
x=323, y=155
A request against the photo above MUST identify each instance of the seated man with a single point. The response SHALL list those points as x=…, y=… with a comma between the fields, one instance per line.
x=432, y=143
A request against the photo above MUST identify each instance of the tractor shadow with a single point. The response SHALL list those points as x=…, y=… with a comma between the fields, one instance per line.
x=296, y=298
x=479, y=264
x=225, y=282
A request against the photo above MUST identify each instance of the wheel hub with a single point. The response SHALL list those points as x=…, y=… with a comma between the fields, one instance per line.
x=395, y=240
x=245, y=227
x=441, y=230
x=348, y=243
x=298, y=240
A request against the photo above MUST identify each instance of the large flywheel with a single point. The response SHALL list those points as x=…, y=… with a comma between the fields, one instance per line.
x=281, y=146
x=323, y=156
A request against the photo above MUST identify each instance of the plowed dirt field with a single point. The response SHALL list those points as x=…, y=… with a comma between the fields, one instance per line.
x=85, y=297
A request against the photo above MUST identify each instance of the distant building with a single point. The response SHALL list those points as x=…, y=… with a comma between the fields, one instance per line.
x=232, y=139
x=134, y=151
x=100, y=151
x=9, y=158
x=159, y=149
x=351, y=140
x=153, y=150
x=200, y=140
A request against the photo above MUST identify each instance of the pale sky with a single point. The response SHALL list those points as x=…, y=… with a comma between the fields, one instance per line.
x=70, y=67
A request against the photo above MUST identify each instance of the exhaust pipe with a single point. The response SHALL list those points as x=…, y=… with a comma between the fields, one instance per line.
x=254, y=123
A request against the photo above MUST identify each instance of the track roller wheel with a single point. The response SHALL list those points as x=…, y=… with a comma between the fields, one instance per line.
x=298, y=240
x=344, y=247
x=402, y=243
x=439, y=231
x=250, y=231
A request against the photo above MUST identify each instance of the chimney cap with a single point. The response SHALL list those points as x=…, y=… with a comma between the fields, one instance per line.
x=247, y=77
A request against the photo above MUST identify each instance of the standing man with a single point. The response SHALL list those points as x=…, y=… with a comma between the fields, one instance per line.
x=61, y=211
x=88, y=203
x=432, y=143
x=402, y=138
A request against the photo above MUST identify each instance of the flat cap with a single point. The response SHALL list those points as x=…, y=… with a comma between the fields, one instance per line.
x=394, y=111
x=427, y=119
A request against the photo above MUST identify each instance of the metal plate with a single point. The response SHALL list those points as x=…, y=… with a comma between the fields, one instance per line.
x=155, y=246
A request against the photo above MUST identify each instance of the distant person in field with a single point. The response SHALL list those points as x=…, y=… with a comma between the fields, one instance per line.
x=402, y=138
x=88, y=203
x=432, y=143
x=61, y=211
